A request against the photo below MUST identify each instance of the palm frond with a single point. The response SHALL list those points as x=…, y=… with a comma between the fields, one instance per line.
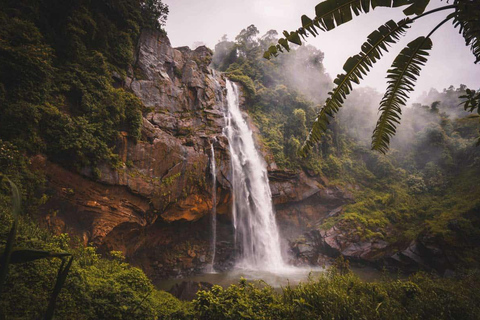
x=466, y=18
x=23, y=255
x=61, y=278
x=402, y=76
x=6, y=255
x=330, y=14
x=472, y=103
x=355, y=68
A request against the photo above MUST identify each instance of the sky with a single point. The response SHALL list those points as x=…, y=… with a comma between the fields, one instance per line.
x=450, y=61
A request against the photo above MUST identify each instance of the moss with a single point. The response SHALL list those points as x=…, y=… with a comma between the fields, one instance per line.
x=178, y=72
x=247, y=82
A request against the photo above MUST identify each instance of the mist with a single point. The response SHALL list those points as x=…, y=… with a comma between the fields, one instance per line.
x=301, y=69
x=451, y=62
x=427, y=128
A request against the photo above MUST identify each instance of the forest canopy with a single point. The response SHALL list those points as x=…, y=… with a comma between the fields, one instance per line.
x=405, y=69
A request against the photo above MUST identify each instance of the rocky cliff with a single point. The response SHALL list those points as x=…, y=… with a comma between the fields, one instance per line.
x=156, y=207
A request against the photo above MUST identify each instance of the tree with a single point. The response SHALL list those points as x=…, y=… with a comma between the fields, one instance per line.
x=247, y=40
x=155, y=13
x=405, y=68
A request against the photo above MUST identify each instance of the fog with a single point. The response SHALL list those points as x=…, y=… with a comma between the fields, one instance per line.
x=359, y=115
x=303, y=69
x=207, y=21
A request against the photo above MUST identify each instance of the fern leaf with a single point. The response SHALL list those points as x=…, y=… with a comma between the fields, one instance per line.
x=61, y=278
x=6, y=255
x=417, y=7
x=22, y=255
x=330, y=14
x=401, y=80
x=466, y=18
x=355, y=68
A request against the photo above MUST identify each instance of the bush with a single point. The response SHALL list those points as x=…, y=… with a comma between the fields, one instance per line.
x=246, y=81
x=344, y=296
x=96, y=287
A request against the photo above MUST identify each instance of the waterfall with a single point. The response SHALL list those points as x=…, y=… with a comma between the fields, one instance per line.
x=213, y=243
x=256, y=232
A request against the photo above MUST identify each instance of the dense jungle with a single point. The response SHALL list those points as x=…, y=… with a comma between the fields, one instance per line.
x=127, y=164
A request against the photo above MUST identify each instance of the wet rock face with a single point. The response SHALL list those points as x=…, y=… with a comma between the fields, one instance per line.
x=317, y=247
x=170, y=165
x=302, y=202
x=85, y=208
x=160, y=199
x=424, y=253
x=156, y=207
x=172, y=80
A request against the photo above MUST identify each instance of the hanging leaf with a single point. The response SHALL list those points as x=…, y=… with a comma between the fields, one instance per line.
x=6, y=255
x=61, y=278
x=401, y=80
x=417, y=7
x=284, y=44
x=27, y=255
x=294, y=38
x=356, y=68
x=466, y=18
x=330, y=14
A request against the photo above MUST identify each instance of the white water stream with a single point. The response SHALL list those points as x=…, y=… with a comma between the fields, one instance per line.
x=256, y=232
x=213, y=168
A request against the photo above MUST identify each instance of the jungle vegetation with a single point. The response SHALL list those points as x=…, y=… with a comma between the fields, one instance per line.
x=405, y=68
x=62, y=65
x=426, y=186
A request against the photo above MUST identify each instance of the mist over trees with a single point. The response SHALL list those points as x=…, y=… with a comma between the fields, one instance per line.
x=402, y=196
x=281, y=101
x=405, y=69
x=302, y=69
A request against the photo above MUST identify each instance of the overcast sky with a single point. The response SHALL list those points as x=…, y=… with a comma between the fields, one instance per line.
x=451, y=62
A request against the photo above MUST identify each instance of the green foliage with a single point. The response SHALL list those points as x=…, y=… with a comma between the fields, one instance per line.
x=61, y=66
x=341, y=295
x=426, y=185
x=246, y=81
x=96, y=288
x=155, y=13
x=11, y=255
x=242, y=301
x=471, y=103
x=356, y=67
x=405, y=69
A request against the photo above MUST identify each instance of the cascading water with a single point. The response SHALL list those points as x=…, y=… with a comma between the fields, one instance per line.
x=256, y=232
x=213, y=243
